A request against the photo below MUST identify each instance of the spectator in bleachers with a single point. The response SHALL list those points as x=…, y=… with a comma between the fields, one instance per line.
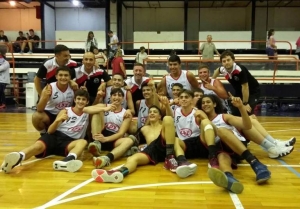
x=19, y=42
x=91, y=42
x=298, y=47
x=140, y=56
x=244, y=84
x=32, y=41
x=101, y=58
x=118, y=65
x=271, y=48
x=207, y=50
x=3, y=38
x=120, y=48
x=113, y=43
x=4, y=75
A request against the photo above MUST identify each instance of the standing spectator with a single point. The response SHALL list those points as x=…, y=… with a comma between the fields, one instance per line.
x=113, y=43
x=298, y=47
x=4, y=75
x=271, y=48
x=140, y=56
x=244, y=84
x=118, y=65
x=101, y=58
x=207, y=50
x=91, y=42
x=19, y=42
x=32, y=40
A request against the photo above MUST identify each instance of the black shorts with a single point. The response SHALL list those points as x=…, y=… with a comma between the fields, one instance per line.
x=107, y=146
x=140, y=137
x=252, y=101
x=56, y=144
x=195, y=148
x=51, y=116
x=156, y=150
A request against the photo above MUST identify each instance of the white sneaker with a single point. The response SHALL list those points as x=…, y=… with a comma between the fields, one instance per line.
x=286, y=143
x=70, y=166
x=186, y=169
x=101, y=176
x=279, y=151
x=95, y=148
x=11, y=160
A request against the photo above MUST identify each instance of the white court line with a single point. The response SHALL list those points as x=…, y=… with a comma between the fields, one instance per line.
x=63, y=195
x=32, y=161
x=124, y=188
x=236, y=201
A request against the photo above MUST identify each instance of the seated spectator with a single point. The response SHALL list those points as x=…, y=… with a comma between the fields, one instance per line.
x=120, y=48
x=19, y=41
x=100, y=57
x=32, y=41
x=140, y=56
x=4, y=75
x=3, y=39
x=118, y=65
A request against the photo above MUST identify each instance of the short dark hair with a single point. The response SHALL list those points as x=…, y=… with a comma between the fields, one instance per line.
x=203, y=66
x=174, y=58
x=145, y=83
x=21, y=32
x=142, y=47
x=3, y=49
x=63, y=68
x=60, y=48
x=82, y=93
x=154, y=106
x=186, y=91
x=110, y=31
x=31, y=30
x=138, y=64
x=116, y=90
x=178, y=84
x=198, y=90
x=226, y=54
x=118, y=74
x=219, y=109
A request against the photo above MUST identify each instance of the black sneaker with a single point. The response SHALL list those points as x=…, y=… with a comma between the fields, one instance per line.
x=11, y=160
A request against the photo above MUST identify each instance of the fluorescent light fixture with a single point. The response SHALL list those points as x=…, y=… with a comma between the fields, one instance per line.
x=12, y=3
x=75, y=3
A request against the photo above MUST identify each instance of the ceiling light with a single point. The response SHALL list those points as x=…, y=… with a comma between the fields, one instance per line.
x=75, y=3
x=12, y=3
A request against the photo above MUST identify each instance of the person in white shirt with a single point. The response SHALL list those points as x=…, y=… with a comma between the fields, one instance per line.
x=113, y=43
x=4, y=75
x=101, y=58
x=120, y=49
x=140, y=56
x=91, y=42
x=65, y=137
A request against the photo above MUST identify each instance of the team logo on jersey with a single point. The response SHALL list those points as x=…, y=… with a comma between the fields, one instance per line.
x=143, y=120
x=112, y=127
x=96, y=80
x=76, y=128
x=62, y=105
x=185, y=132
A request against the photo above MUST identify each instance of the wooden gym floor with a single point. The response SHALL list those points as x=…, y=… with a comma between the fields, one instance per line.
x=36, y=185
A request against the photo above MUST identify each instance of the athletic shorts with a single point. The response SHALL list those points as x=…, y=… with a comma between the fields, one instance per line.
x=51, y=116
x=194, y=148
x=156, y=150
x=56, y=144
x=107, y=146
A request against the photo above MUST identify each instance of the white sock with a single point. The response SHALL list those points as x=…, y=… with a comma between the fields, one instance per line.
x=43, y=131
x=267, y=144
x=73, y=154
x=270, y=138
x=23, y=155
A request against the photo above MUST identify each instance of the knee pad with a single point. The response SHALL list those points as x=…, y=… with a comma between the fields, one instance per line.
x=208, y=127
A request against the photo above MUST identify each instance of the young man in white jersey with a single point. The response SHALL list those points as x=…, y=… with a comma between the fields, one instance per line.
x=186, y=78
x=55, y=97
x=160, y=137
x=212, y=86
x=109, y=129
x=65, y=137
x=198, y=93
x=117, y=82
x=228, y=126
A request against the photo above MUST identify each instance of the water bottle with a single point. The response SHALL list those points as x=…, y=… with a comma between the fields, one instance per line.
x=263, y=107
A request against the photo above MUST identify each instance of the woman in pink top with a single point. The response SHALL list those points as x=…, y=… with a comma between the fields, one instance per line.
x=271, y=48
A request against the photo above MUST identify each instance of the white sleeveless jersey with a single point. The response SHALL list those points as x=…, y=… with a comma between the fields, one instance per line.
x=186, y=126
x=143, y=113
x=59, y=100
x=208, y=91
x=75, y=126
x=114, y=120
x=182, y=79
x=220, y=123
x=107, y=97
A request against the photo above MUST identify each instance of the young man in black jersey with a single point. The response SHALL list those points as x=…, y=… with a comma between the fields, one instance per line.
x=245, y=85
